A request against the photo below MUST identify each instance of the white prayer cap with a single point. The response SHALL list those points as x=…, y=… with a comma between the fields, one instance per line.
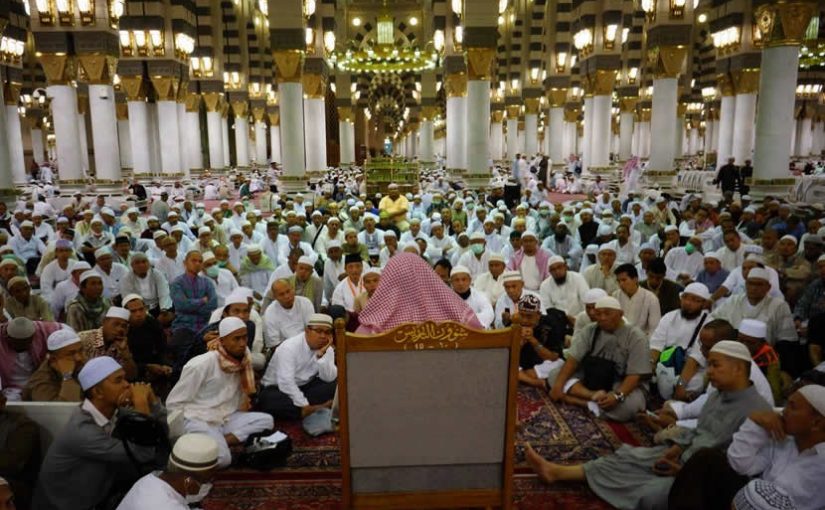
x=604, y=230
x=607, y=212
x=753, y=248
x=254, y=248
x=390, y=233
x=671, y=228
x=555, y=259
x=759, y=259
x=459, y=270
x=815, y=395
x=20, y=327
x=131, y=297
x=305, y=261
x=235, y=298
x=753, y=328
x=96, y=219
x=592, y=296
x=320, y=319
x=61, y=338
x=607, y=247
x=821, y=259
x=116, y=312
x=194, y=452
x=8, y=262
x=333, y=219
x=609, y=303
x=107, y=211
x=335, y=243
x=160, y=233
x=749, y=209
x=172, y=213
x=477, y=236
x=760, y=273
x=511, y=276
x=103, y=252
x=177, y=228
x=496, y=257
x=733, y=349
x=81, y=266
x=699, y=290
x=713, y=255
x=230, y=324
x=789, y=238
x=435, y=224
x=235, y=232
x=372, y=270
x=412, y=245
x=27, y=224
x=761, y=494
x=661, y=200
x=151, y=217
x=89, y=274
x=96, y=370
x=529, y=233
x=204, y=230
x=208, y=255
x=132, y=210
x=295, y=228
x=3, y=481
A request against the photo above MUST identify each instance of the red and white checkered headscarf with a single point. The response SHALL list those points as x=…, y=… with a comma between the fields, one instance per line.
x=410, y=291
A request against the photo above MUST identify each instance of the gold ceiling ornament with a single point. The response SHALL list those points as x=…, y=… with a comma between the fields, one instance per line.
x=745, y=81
x=513, y=111
x=479, y=63
x=428, y=113
x=134, y=87
x=556, y=98
x=212, y=101
x=667, y=61
x=98, y=69
x=783, y=23
x=603, y=81
x=60, y=69
x=571, y=114
x=681, y=109
x=289, y=65
x=456, y=85
x=166, y=87
x=315, y=86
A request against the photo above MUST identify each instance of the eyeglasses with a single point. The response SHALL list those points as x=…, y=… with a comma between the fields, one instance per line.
x=321, y=331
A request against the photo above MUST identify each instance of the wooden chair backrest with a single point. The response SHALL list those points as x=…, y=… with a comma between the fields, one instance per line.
x=427, y=416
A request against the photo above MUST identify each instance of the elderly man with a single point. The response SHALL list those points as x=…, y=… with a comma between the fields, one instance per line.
x=395, y=206
x=540, y=349
x=110, y=339
x=151, y=285
x=146, y=340
x=58, y=269
x=588, y=315
x=605, y=366
x=489, y=282
x=170, y=264
x=602, y=275
x=194, y=299
x=27, y=247
x=22, y=303
x=110, y=271
x=685, y=262
x=23, y=348
x=85, y=465
x=255, y=269
x=55, y=380
x=460, y=279
x=306, y=283
x=507, y=304
x=86, y=310
x=713, y=274
x=641, y=307
x=675, y=337
x=351, y=286
x=67, y=290
x=286, y=316
x=564, y=290
x=755, y=303
x=225, y=283
x=477, y=258
x=301, y=377
x=794, y=269
x=641, y=477
x=531, y=261
x=213, y=393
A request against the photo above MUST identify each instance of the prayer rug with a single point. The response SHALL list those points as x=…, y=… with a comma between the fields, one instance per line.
x=312, y=478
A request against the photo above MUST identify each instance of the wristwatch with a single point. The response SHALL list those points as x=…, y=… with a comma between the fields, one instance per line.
x=68, y=376
x=679, y=382
x=619, y=396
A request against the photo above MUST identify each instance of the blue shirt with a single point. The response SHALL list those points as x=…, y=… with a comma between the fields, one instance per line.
x=187, y=296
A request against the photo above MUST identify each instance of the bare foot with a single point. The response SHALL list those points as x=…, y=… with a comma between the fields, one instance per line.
x=540, y=466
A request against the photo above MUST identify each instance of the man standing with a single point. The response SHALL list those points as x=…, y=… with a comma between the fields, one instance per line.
x=55, y=380
x=728, y=177
x=301, y=377
x=85, y=464
x=212, y=395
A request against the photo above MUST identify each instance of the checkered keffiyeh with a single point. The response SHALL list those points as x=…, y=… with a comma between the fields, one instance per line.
x=410, y=291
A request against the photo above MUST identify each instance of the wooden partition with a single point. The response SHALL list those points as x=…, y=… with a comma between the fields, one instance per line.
x=427, y=414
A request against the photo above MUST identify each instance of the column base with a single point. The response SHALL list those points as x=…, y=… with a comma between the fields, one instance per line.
x=72, y=185
x=457, y=173
x=293, y=184
x=9, y=196
x=664, y=180
x=105, y=187
x=196, y=172
x=609, y=175
x=778, y=188
x=477, y=181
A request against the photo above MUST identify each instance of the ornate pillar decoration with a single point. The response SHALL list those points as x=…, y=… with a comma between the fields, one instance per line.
x=746, y=85
x=315, y=78
x=479, y=68
x=240, y=109
x=782, y=25
x=289, y=71
x=191, y=130
x=60, y=70
x=98, y=71
x=12, y=127
x=426, y=147
x=512, y=126
x=627, y=108
x=214, y=128
x=455, y=84
x=166, y=93
x=274, y=133
x=727, y=113
x=134, y=88
x=556, y=99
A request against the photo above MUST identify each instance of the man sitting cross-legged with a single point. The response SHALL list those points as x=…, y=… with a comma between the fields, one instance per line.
x=301, y=377
x=212, y=395
x=605, y=366
x=641, y=477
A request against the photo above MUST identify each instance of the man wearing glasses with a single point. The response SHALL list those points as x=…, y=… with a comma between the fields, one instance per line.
x=301, y=376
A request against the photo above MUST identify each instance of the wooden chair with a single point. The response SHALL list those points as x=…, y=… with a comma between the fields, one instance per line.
x=427, y=416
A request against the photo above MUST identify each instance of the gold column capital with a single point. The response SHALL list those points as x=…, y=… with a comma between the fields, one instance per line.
x=603, y=82
x=240, y=108
x=97, y=69
x=557, y=97
x=497, y=116
x=192, y=101
x=346, y=114
x=725, y=84
x=258, y=113
x=667, y=61
x=134, y=87
x=628, y=104
x=644, y=115
x=274, y=118
x=479, y=63
x=681, y=109
x=513, y=111
x=289, y=65
x=11, y=93
x=122, y=111
x=745, y=81
x=212, y=101
x=315, y=86
x=166, y=87
x=784, y=22
x=531, y=106
x=456, y=85
x=428, y=113
x=571, y=114
x=59, y=69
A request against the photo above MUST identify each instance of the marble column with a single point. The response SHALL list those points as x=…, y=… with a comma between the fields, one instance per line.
x=192, y=127
x=214, y=129
x=512, y=132
x=6, y=178
x=805, y=137
x=496, y=135
x=777, y=95
x=727, y=114
x=260, y=135
x=227, y=155
x=315, y=139
x=275, y=136
x=82, y=134
x=627, y=107
x=38, y=147
x=479, y=61
x=663, y=123
x=746, y=84
x=531, y=127
x=139, y=137
x=555, y=131
x=104, y=133
x=289, y=68
x=587, y=136
x=166, y=90
x=123, y=136
x=456, y=122
x=709, y=133
x=14, y=131
x=240, y=110
x=426, y=149
x=67, y=138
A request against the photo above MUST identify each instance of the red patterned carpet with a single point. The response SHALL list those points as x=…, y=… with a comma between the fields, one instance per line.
x=312, y=478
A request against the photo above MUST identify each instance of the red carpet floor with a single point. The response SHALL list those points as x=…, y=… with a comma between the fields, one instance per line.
x=312, y=478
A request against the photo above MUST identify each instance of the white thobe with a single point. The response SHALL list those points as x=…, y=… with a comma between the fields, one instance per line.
x=774, y=312
x=480, y=304
x=224, y=285
x=641, y=310
x=735, y=283
x=111, y=281
x=626, y=254
x=294, y=364
x=568, y=297
x=489, y=285
x=673, y=329
x=679, y=262
x=52, y=275
x=530, y=273
x=281, y=323
x=476, y=265
x=731, y=259
x=256, y=280
x=63, y=294
x=171, y=268
x=346, y=292
x=332, y=270
x=152, y=492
